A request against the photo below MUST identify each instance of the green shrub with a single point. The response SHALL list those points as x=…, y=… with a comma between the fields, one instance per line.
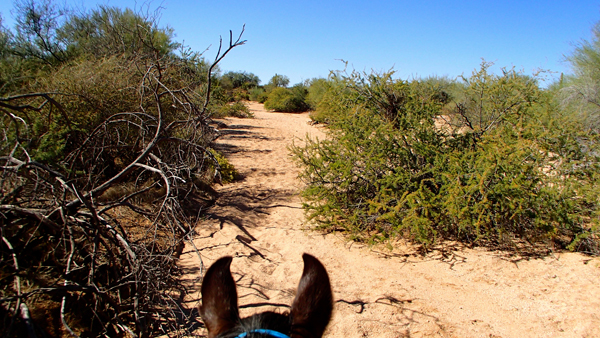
x=234, y=86
x=287, y=100
x=228, y=171
x=334, y=101
x=236, y=109
x=578, y=92
x=244, y=80
x=258, y=94
x=316, y=91
x=507, y=167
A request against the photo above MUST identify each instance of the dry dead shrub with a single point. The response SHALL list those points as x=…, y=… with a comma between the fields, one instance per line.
x=91, y=225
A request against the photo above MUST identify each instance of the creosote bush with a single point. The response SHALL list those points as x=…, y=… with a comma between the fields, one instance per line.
x=503, y=165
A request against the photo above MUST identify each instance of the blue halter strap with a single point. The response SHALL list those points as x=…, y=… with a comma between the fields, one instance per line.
x=263, y=331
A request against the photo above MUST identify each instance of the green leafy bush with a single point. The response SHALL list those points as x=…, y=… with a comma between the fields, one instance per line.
x=316, y=91
x=287, y=100
x=580, y=92
x=258, y=94
x=236, y=109
x=502, y=166
x=227, y=170
x=333, y=101
x=235, y=86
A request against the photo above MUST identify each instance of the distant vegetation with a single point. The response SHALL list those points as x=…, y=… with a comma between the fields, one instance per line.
x=229, y=92
x=277, y=96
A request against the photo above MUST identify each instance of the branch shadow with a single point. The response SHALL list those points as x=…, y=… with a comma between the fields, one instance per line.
x=246, y=208
x=404, y=317
x=240, y=126
x=242, y=131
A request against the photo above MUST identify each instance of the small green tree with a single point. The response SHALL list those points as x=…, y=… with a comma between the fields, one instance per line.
x=244, y=80
x=234, y=87
x=278, y=81
x=108, y=31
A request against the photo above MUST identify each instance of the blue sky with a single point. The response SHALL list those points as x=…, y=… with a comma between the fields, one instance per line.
x=306, y=39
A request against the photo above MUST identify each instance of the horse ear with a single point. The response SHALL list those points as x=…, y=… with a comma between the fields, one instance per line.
x=219, y=309
x=312, y=307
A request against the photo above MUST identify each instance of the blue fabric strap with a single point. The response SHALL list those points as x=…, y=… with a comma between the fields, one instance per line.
x=263, y=331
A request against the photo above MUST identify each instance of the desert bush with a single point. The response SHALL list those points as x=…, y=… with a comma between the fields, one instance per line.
x=233, y=87
x=503, y=167
x=258, y=94
x=287, y=99
x=226, y=169
x=107, y=31
x=316, y=90
x=333, y=101
x=236, y=109
x=345, y=172
x=244, y=80
x=106, y=164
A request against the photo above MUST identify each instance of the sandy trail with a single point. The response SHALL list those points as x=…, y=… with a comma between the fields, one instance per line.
x=467, y=293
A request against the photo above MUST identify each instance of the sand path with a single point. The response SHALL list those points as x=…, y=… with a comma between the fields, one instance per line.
x=467, y=293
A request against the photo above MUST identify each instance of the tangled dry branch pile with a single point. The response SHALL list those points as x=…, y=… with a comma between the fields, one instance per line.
x=95, y=236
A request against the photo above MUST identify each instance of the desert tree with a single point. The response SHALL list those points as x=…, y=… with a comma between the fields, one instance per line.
x=279, y=81
x=232, y=80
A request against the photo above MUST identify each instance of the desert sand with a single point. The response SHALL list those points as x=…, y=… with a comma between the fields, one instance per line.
x=455, y=292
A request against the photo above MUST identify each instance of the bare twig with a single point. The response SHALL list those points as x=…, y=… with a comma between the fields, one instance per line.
x=66, y=283
x=109, y=216
x=218, y=59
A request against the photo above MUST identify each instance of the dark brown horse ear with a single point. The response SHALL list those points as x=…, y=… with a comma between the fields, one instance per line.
x=312, y=307
x=219, y=309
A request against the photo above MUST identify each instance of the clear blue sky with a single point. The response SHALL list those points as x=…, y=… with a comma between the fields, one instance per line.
x=306, y=39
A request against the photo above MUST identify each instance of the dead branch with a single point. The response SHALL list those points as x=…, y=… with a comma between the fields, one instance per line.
x=106, y=220
x=218, y=59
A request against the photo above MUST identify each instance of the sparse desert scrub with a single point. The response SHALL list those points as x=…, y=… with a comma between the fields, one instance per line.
x=106, y=166
x=386, y=170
